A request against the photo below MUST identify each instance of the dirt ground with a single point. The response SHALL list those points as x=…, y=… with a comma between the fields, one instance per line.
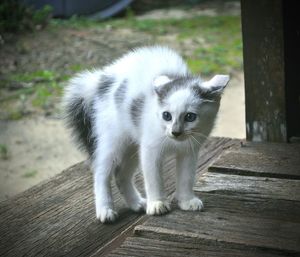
x=38, y=145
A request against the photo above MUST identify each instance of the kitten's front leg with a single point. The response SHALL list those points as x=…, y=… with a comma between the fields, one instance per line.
x=157, y=203
x=185, y=169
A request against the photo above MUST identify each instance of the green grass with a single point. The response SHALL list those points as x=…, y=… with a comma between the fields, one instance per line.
x=220, y=49
x=3, y=152
x=76, y=67
x=15, y=115
x=39, y=88
x=45, y=85
x=30, y=174
x=37, y=76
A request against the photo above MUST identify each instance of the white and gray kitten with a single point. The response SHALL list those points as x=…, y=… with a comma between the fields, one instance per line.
x=133, y=113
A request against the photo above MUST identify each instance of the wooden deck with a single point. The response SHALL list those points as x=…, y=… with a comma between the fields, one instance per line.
x=252, y=208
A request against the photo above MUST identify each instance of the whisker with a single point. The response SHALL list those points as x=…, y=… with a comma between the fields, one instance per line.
x=134, y=154
x=198, y=133
x=191, y=146
x=196, y=140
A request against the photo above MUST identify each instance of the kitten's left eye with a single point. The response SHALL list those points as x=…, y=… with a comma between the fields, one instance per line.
x=190, y=117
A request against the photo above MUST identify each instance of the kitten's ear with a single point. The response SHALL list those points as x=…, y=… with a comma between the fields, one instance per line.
x=159, y=82
x=216, y=84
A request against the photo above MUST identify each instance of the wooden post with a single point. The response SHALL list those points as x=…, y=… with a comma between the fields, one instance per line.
x=291, y=28
x=263, y=42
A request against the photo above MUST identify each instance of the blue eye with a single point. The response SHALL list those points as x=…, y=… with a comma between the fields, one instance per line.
x=167, y=116
x=190, y=117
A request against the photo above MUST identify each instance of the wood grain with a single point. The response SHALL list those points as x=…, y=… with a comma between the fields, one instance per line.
x=266, y=160
x=249, y=186
x=140, y=246
x=232, y=221
x=243, y=215
x=57, y=217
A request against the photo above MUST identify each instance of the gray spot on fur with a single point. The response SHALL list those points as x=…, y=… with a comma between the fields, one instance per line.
x=136, y=109
x=189, y=82
x=105, y=84
x=206, y=94
x=176, y=84
x=120, y=93
x=199, y=92
x=79, y=119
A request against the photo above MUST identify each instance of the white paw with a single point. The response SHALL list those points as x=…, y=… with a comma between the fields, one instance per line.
x=106, y=215
x=158, y=207
x=139, y=205
x=194, y=204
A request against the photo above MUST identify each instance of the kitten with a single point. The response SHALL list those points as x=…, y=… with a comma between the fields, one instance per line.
x=135, y=111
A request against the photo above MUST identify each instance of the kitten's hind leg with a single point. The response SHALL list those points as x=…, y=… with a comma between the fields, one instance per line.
x=125, y=181
x=103, y=169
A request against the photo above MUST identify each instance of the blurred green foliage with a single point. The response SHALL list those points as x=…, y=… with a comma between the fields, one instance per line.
x=3, y=152
x=15, y=17
x=218, y=37
x=30, y=174
x=44, y=86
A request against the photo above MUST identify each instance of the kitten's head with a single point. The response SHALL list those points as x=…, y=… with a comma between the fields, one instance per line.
x=187, y=106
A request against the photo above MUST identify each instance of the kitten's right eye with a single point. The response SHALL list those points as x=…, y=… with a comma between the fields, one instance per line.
x=167, y=116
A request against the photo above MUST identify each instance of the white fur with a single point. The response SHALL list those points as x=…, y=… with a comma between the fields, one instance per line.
x=119, y=140
x=161, y=80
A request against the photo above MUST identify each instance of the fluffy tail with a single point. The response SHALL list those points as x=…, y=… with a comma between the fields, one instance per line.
x=78, y=105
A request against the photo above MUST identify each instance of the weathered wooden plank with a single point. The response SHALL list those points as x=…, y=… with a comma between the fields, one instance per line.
x=139, y=246
x=245, y=223
x=267, y=160
x=243, y=216
x=211, y=150
x=278, y=149
x=248, y=186
x=265, y=208
x=57, y=218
